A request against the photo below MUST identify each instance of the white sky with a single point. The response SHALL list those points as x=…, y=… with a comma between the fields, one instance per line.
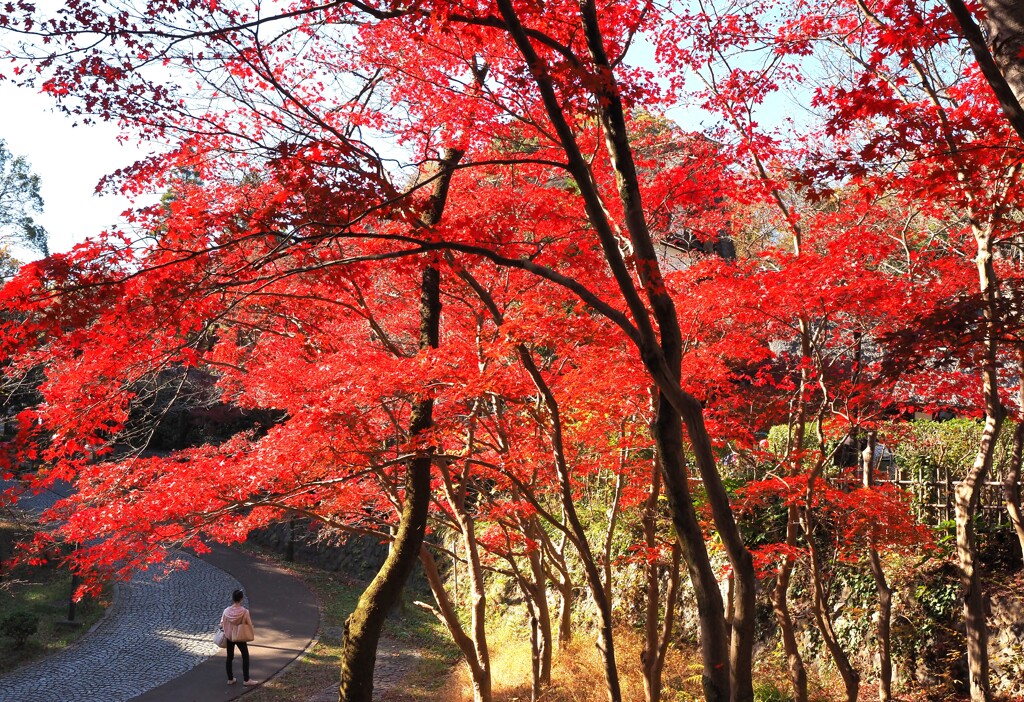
x=70, y=160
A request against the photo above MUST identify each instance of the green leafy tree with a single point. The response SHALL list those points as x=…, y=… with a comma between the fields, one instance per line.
x=20, y=201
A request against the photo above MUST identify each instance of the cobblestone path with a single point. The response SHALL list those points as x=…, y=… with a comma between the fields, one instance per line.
x=156, y=630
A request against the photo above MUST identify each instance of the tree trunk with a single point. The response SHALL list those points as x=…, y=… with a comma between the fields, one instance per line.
x=564, y=611
x=884, y=628
x=613, y=518
x=535, y=653
x=1005, y=25
x=534, y=589
x=592, y=575
x=820, y=599
x=714, y=637
x=554, y=567
x=660, y=350
x=968, y=493
x=648, y=656
x=999, y=58
x=1011, y=480
x=654, y=660
x=795, y=446
x=477, y=592
x=823, y=617
x=967, y=497
x=565, y=615
x=540, y=596
x=780, y=604
x=364, y=625
x=741, y=647
x=446, y=614
x=656, y=641
x=569, y=514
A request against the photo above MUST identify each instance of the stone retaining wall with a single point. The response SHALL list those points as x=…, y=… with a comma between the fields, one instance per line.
x=359, y=557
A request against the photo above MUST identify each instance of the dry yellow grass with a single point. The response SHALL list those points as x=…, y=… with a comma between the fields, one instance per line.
x=577, y=674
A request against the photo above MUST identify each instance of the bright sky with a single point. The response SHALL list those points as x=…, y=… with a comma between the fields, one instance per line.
x=70, y=160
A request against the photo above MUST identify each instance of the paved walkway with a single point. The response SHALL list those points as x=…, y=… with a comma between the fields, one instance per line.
x=167, y=620
x=284, y=614
x=155, y=643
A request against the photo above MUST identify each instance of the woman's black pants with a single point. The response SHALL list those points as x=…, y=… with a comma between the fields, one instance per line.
x=244, y=648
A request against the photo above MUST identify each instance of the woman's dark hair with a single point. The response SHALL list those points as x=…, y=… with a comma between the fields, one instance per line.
x=237, y=596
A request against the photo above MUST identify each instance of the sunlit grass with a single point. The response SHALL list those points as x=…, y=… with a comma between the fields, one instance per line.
x=577, y=672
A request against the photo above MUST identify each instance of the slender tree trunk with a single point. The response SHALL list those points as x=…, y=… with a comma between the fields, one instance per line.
x=660, y=350
x=558, y=573
x=540, y=597
x=1005, y=24
x=478, y=618
x=648, y=656
x=968, y=493
x=656, y=641
x=730, y=599
x=576, y=532
x=564, y=587
x=780, y=605
x=535, y=652
x=540, y=624
x=364, y=625
x=967, y=496
x=654, y=659
x=613, y=518
x=714, y=637
x=1011, y=480
x=448, y=616
x=477, y=592
x=884, y=628
x=999, y=58
x=592, y=575
x=823, y=618
x=820, y=599
x=795, y=446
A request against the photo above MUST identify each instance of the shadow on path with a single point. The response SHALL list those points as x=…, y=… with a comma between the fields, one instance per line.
x=284, y=615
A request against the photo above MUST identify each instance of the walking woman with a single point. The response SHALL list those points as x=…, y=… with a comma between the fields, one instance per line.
x=237, y=625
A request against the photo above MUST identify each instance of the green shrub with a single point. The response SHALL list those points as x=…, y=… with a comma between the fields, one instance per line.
x=19, y=626
x=770, y=692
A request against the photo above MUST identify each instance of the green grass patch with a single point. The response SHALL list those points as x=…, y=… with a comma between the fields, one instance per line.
x=319, y=668
x=39, y=594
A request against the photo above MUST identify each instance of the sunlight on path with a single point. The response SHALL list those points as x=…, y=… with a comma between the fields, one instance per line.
x=156, y=630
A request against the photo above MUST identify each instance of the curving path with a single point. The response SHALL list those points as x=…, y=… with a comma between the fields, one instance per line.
x=156, y=630
x=155, y=642
x=285, y=616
